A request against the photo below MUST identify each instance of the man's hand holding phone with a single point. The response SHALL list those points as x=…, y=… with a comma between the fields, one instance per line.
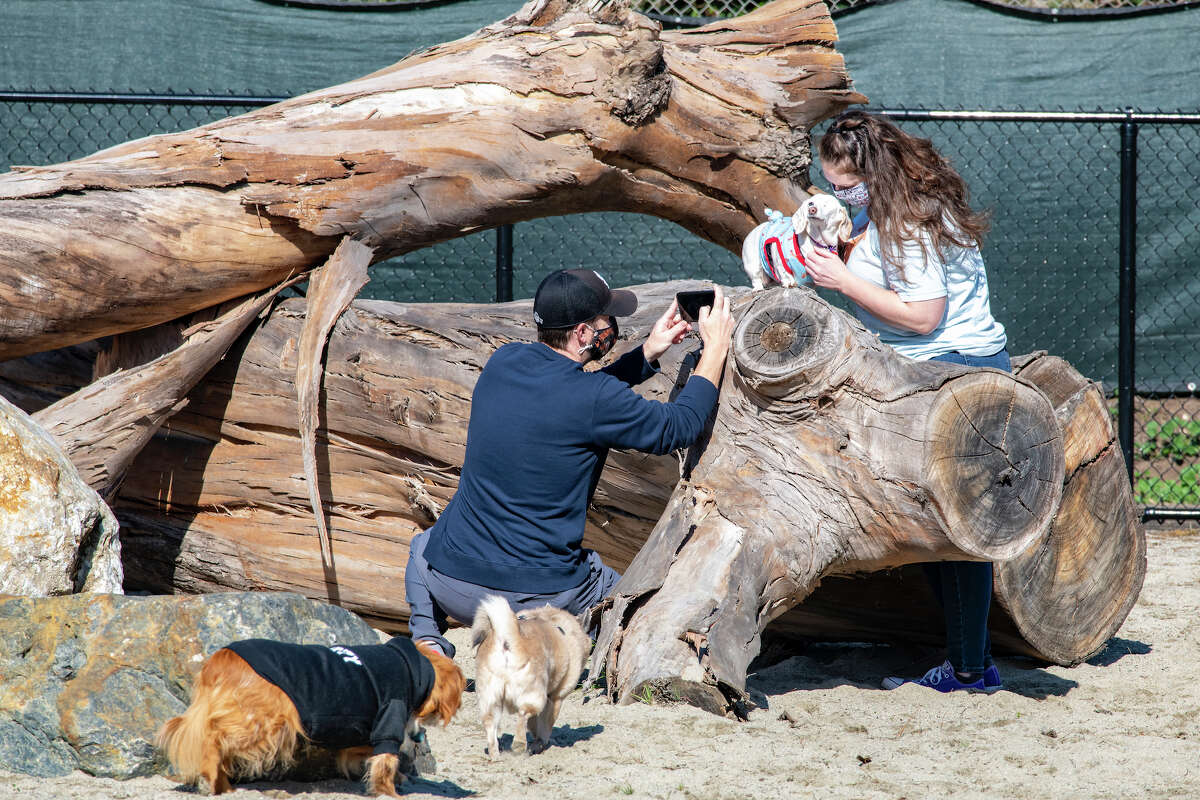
x=716, y=332
x=668, y=330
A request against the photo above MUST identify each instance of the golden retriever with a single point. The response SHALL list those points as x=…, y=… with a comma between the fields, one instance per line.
x=366, y=702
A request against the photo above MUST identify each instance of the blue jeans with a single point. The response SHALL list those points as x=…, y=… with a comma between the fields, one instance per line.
x=432, y=596
x=964, y=588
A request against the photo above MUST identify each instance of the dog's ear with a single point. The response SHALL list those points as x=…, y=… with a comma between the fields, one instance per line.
x=478, y=635
x=802, y=215
x=448, y=685
x=845, y=227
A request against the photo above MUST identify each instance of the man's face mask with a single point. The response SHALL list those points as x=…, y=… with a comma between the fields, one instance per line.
x=603, y=340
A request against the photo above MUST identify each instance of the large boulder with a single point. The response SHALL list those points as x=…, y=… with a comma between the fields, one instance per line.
x=56, y=535
x=86, y=680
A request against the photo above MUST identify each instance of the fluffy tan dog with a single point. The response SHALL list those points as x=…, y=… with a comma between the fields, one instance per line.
x=777, y=251
x=239, y=723
x=526, y=664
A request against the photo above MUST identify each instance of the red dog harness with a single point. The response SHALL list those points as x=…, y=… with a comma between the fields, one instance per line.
x=780, y=239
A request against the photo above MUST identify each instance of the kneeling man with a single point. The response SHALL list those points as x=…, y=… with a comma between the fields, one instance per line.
x=540, y=430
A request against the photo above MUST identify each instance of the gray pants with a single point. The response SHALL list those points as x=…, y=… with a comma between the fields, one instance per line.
x=432, y=596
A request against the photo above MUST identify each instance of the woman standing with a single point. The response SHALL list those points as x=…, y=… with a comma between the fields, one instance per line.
x=917, y=279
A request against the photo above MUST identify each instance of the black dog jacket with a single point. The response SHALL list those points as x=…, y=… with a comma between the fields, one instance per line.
x=346, y=695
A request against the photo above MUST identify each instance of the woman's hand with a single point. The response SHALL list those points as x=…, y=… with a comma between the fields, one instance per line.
x=827, y=270
x=668, y=330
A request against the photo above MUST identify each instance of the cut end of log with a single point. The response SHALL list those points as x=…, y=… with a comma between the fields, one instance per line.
x=994, y=463
x=1071, y=591
x=1090, y=567
x=782, y=342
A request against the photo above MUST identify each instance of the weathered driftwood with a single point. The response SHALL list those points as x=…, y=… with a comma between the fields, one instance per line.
x=830, y=454
x=566, y=106
x=1091, y=562
x=104, y=425
x=333, y=287
x=1088, y=566
x=216, y=501
x=586, y=106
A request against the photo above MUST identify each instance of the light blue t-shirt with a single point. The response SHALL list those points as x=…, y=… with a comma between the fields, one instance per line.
x=967, y=326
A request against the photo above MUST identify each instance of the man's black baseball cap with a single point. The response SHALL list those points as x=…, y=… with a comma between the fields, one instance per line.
x=570, y=296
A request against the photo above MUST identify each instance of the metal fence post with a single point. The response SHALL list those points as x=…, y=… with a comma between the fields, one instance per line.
x=1127, y=291
x=504, y=263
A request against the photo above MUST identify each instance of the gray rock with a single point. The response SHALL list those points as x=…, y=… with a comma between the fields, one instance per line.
x=86, y=680
x=56, y=535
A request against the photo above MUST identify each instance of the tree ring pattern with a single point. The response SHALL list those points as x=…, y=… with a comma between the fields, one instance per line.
x=774, y=339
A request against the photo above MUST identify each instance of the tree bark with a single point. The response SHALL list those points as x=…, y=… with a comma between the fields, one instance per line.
x=566, y=106
x=825, y=458
x=105, y=424
x=334, y=286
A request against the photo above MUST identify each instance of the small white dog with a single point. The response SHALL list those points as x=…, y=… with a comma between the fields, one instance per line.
x=525, y=664
x=778, y=249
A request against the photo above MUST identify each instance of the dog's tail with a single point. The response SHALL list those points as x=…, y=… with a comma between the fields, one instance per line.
x=236, y=720
x=182, y=739
x=495, y=615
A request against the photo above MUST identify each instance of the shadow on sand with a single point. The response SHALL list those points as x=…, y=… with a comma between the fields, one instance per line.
x=826, y=665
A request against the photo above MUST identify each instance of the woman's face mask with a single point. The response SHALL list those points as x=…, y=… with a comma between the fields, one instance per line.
x=847, y=184
x=856, y=195
x=602, y=342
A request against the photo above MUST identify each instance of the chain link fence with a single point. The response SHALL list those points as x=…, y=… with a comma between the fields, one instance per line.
x=700, y=12
x=688, y=13
x=1051, y=179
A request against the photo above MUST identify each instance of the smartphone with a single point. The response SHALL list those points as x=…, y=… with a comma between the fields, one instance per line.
x=691, y=302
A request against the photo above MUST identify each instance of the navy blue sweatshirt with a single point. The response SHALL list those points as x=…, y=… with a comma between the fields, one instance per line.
x=540, y=431
x=347, y=696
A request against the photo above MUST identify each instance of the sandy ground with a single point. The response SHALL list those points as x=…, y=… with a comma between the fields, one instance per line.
x=1123, y=725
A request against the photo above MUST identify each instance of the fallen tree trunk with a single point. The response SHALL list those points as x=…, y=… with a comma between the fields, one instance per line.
x=566, y=106
x=105, y=424
x=1089, y=565
x=216, y=501
x=830, y=455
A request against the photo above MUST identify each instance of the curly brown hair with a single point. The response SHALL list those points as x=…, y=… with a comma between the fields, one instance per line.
x=912, y=187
